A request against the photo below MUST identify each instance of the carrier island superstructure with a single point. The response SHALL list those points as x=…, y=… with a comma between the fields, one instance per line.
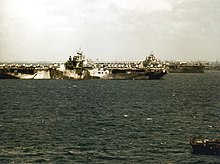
x=78, y=67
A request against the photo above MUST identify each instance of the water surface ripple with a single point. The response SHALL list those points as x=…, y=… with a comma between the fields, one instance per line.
x=93, y=121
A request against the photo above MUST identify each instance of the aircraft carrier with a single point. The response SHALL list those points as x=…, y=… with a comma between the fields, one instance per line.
x=186, y=67
x=78, y=67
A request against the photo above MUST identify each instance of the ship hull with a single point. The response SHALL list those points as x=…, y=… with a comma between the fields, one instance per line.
x=208, y=149
x=205, y=146
x=186, y=69
x=129, y=74
x=24, y=73
x=81, y=73
x=7, y=76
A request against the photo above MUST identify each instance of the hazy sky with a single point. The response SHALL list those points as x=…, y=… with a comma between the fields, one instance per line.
x=109, y=30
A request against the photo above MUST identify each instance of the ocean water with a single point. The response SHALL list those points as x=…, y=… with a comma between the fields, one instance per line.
x=108, y=121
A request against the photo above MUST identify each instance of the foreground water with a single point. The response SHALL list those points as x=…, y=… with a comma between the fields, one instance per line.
x=92, y=121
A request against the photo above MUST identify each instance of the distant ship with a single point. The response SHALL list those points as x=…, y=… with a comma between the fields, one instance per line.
x=184, y=67
x=205, y=146
x=78, y=67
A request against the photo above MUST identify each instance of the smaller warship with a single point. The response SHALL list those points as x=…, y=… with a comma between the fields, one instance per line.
x=205, y=146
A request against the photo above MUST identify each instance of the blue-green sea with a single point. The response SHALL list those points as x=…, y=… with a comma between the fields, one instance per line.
x=109, y=121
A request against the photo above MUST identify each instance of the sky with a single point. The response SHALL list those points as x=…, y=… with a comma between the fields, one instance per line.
x=109, y=30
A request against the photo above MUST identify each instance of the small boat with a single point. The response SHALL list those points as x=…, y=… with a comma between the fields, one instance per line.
x=205, y=146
